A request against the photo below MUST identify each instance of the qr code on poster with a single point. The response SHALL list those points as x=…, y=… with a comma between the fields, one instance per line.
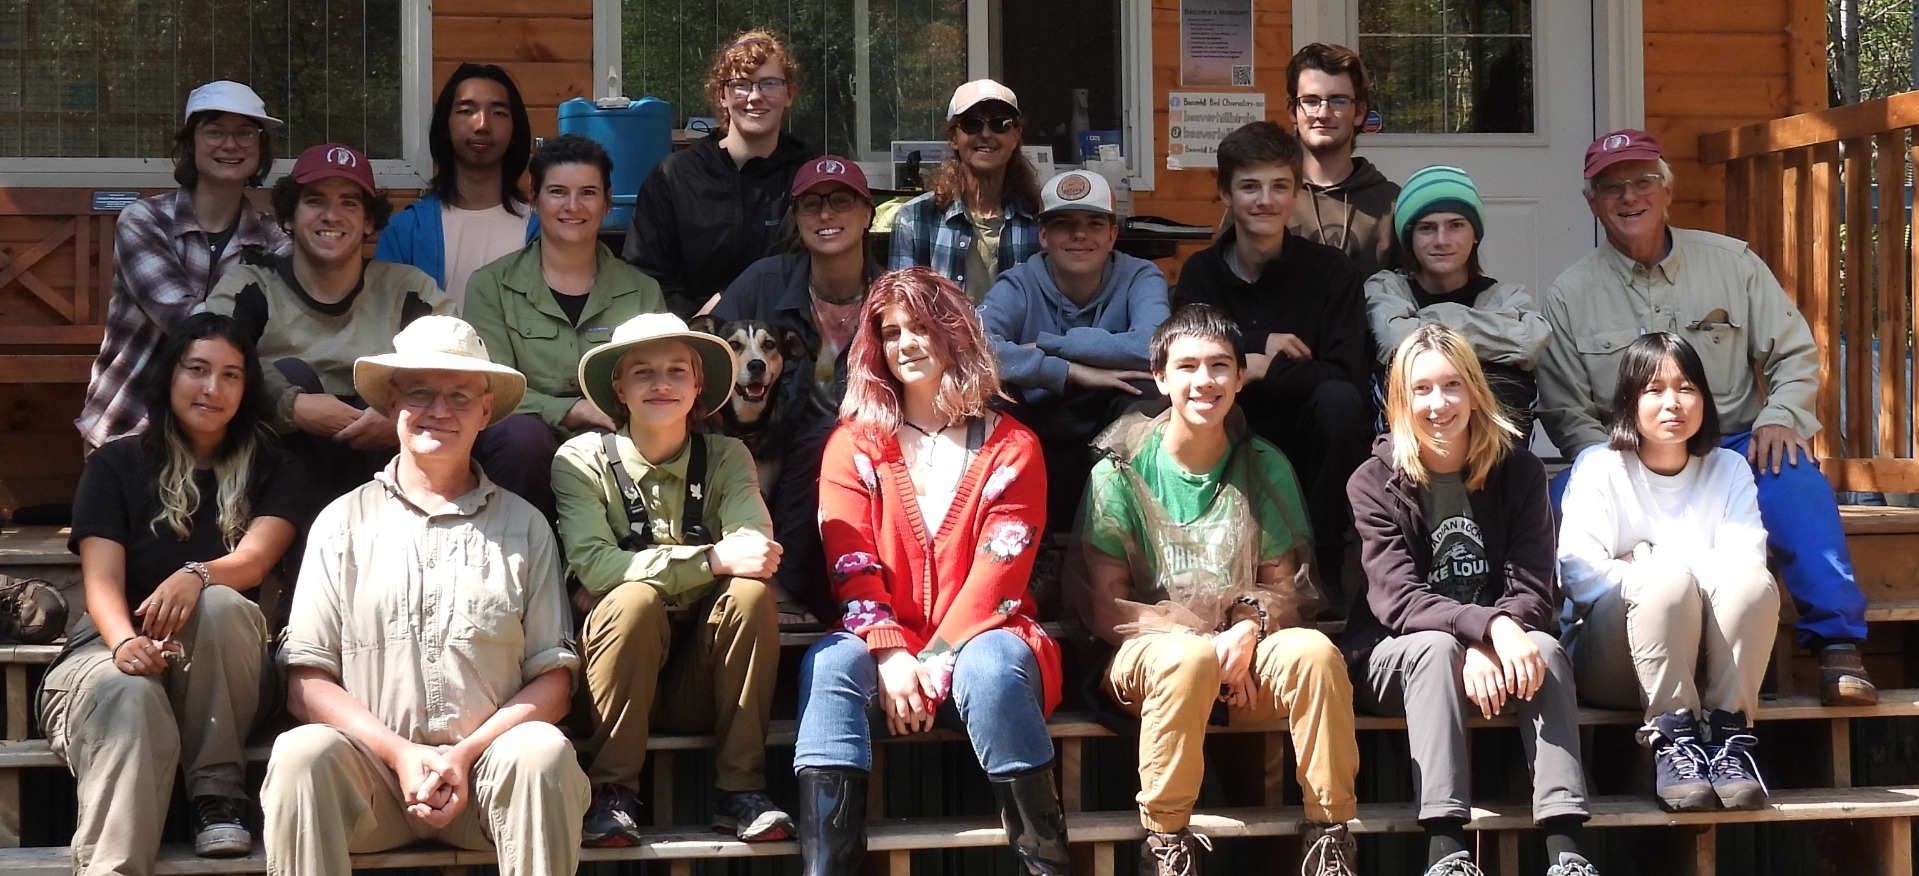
x=1242, y=75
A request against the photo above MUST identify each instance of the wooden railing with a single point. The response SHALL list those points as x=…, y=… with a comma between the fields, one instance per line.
x=1824, y=198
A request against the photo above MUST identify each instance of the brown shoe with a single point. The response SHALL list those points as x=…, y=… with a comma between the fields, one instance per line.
x=1172, y=854
x=1842, y=677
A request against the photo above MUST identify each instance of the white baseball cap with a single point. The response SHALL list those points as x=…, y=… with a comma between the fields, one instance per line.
x=227, y=96
x=1080, y=190
x=976, y=92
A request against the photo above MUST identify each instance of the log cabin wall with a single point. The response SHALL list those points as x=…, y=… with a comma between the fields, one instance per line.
x=1716, y=66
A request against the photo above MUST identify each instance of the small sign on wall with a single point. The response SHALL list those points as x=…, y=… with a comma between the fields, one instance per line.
x=1197, y=121
x=113, y=202
x=1216, y=43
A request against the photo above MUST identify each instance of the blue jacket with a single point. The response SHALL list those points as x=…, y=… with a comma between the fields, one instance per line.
x=1111, y=331
x=415, y=236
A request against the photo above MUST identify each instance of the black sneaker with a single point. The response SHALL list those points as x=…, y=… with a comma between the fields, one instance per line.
x=218, y=829
x=1172, y=854
x=753, y=817
x=1729, y=763
x=1842, y=677
x=613, y=820
x=1679, y=763
x=32, y=611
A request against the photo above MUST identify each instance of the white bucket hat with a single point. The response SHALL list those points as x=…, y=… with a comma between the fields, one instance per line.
x=716, y=362
x=437, y=343
x=227, y=96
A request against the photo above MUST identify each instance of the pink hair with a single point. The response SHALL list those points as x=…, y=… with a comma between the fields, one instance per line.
x=971, y=376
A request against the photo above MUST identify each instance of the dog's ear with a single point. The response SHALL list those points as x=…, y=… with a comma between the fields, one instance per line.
x=792, y=346
x=704, y=323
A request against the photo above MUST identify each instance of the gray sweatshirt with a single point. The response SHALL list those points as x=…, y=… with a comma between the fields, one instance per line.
x=1110, y=331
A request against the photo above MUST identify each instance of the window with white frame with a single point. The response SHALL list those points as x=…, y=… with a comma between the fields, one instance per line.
x=100, y=84
x=1450, y=66
x=875, y=71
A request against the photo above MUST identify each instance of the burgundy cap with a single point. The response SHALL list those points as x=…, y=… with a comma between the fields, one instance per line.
x=1630, y=144
x=831, y=169
x=330, y=160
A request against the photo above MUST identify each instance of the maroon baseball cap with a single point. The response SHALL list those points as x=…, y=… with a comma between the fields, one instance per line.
x=334, y=160
x=1629, y=144
x=831, y=169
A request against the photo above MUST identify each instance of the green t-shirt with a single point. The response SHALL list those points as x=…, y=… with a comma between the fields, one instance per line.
x=982, y=258
x=1257, y=472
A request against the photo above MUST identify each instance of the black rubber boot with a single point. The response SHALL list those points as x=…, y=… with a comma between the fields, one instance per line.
x=832, y=822
x=1035, y=827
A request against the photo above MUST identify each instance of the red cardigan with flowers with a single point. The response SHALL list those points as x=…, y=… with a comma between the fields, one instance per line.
x=898, y=591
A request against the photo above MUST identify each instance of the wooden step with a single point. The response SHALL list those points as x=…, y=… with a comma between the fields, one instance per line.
x=895, y=835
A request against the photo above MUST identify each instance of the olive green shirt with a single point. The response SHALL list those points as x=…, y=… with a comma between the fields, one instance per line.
x=593, y=513
x=509, y=303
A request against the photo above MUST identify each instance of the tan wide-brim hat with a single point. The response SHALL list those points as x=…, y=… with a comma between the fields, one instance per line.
x=437, y=343
x=716, y=362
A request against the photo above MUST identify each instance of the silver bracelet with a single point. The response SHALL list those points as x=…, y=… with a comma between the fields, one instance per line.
x=206, y=577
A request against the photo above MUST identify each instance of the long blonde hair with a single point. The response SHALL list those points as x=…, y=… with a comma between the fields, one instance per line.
x=1490, y=433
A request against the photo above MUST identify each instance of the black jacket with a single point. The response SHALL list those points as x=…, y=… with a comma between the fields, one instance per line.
x=1396, y=551
x=701, y=219
x=1311, y=291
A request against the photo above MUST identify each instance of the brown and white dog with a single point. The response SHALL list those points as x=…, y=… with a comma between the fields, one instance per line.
x=755, y=412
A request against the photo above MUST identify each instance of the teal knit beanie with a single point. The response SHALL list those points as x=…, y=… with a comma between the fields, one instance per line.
x=1437, y=189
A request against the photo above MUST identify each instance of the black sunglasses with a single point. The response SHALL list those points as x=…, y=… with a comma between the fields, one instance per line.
x=972, y=125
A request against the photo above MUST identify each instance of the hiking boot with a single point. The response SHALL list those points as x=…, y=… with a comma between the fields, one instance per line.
x=1172, y=854
x=1842, y=677
x=832, y=824
x=218, y=829
x=613, y=820
x=32, y=611
x=1729, y=763
x=753, y=817
x=1329, y=851
x=1572, y=865
x=1456, y=864
x=1036, y=829
x=1679, y=763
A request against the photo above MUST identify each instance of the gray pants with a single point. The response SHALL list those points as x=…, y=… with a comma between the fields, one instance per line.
x=123, y=736
x=1418, y=676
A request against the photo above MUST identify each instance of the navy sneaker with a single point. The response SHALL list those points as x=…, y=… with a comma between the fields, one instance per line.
x=613, y=820
x=753, y=817
x=1680, y=763
x=1729, y=762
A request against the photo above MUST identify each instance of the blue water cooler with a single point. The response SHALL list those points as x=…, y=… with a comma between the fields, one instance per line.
x=637, y=135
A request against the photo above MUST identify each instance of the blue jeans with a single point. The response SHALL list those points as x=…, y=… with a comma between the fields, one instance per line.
x=1807, y=543
x=996, y=689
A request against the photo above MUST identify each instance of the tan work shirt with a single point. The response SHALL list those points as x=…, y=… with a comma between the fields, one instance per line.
x=1711, y=290
x=432, y=619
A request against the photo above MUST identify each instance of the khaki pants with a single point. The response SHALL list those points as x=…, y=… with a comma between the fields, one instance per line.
x=123, y=735
x=1677, y=638
x=1171, y=682
x=327, y=795
x=707, y=668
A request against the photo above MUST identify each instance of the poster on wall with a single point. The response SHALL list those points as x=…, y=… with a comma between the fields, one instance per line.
x=1197, y=121
x=1216, y=43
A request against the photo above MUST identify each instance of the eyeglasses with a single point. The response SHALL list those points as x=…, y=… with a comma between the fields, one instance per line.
x=772, y=88
x=972, y=125
x=1340, y=104
x=1614, y=189
x=841, y=202
x=424, y=399
x=213, y=136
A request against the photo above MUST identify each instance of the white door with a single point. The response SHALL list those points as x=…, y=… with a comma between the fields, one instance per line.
x=1455, y=70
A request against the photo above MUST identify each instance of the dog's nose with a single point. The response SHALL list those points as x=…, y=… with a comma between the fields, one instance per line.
x=756, y=366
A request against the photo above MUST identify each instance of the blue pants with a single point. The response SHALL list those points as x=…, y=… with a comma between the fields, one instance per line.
x=995, y=701
x=1807, y=543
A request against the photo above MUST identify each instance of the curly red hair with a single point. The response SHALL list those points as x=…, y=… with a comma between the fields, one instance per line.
x=971, y=377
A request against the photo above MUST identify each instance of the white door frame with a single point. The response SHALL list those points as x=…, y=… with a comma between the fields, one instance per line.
x=1619, y=49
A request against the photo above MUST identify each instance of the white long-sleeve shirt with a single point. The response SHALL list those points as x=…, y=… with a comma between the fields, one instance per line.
x=1705, y=517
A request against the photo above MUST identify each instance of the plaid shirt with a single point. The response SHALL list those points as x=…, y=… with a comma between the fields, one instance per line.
x=923, y=235
x=160, y=274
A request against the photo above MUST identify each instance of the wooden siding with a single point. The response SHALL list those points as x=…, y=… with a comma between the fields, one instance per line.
x=546, y=44
x=1715, y=66
x=1192, y=195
